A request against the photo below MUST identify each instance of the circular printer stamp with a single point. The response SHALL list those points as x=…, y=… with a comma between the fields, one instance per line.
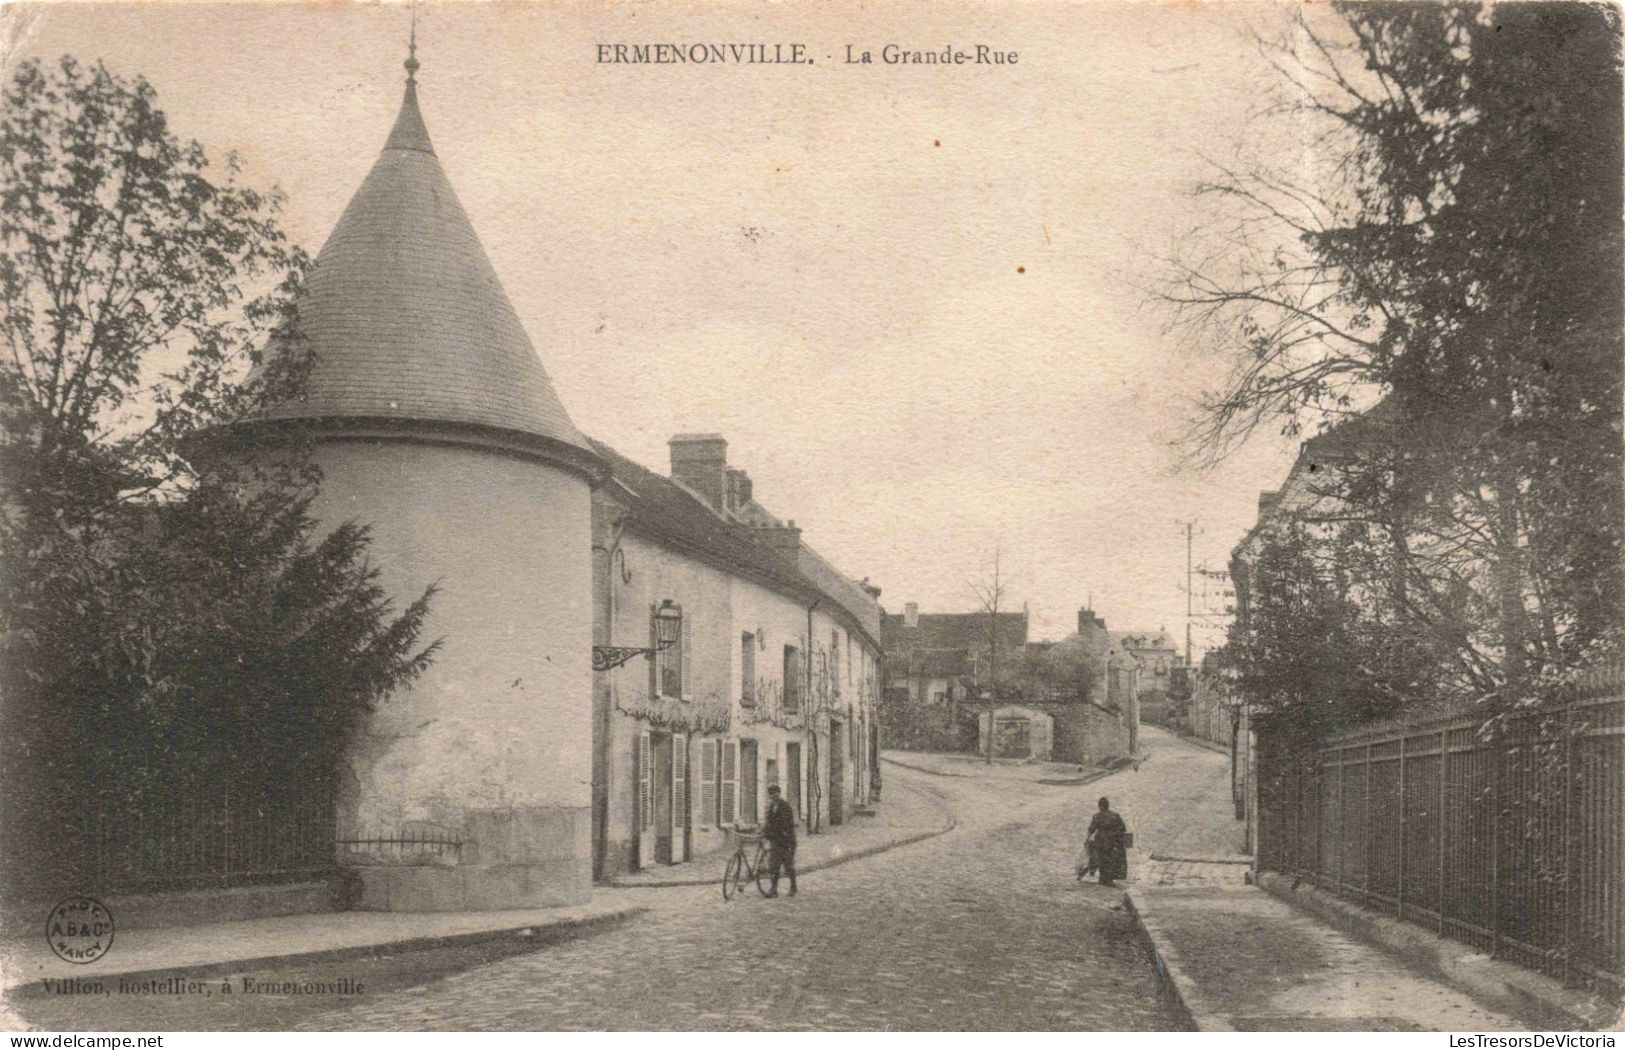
x=80, y=929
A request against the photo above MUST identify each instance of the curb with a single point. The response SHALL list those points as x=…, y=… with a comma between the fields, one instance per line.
x=1171, y=971
x=1500, y=985
x=1200, y=742
x=1087, y=778
x=534, y=934
x=833, y=862
x=920, y=769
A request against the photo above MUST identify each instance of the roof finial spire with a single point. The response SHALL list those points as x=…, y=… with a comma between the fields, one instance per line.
x=412, y=48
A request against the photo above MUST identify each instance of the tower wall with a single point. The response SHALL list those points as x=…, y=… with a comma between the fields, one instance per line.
x=492, y=746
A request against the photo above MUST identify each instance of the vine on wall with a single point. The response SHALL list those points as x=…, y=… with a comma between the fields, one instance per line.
x=708, y=714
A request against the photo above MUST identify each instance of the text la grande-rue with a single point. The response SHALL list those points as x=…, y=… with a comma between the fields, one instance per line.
x=948, y=55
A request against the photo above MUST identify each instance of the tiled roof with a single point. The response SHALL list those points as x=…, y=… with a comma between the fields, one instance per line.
x=963, y=631
x=942, y=663
x=667, y=511
x=663, y=509
x=1141, y=640
x=842, y=591
x=406, y=316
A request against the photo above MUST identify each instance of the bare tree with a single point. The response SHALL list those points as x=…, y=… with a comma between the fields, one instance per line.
x=1419, y=244
x=990, y=593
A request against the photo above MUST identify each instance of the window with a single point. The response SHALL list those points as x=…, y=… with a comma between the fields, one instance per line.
x=792, y=678
x=848, y=657
x=834, y=661
x=939, y=697
x=747, y=670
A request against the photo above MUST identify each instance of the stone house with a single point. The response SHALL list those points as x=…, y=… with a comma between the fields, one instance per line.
x=435, y=424
x=1017, y=732
x=937, y=666
x=1157, y=654
x=942, y=657
x=772, y=682
x=512, y=773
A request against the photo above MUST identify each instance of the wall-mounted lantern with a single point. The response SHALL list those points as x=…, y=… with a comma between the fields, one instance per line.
x=668, y=629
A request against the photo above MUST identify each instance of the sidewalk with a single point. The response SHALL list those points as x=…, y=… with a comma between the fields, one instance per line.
x=905, y=813
x=1240, y=959
x=212, y=949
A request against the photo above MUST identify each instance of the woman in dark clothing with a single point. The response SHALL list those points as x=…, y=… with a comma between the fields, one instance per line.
x=1106, y=846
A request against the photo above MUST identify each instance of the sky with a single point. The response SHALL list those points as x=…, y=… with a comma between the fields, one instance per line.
x=909, y=297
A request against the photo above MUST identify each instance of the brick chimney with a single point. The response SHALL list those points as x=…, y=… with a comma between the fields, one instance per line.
x=785, y=539
x=739, y=488
x=700, y=461
x=911, y=614
x=1092, y=632
x=870, y=589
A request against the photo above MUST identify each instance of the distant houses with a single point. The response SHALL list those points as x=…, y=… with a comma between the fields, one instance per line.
x=1064, y=701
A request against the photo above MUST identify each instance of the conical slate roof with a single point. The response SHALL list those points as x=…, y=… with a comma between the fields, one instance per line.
x=406, y=315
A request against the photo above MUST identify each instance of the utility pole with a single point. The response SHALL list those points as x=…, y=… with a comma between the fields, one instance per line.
x=993, y=703
x=1189, y=611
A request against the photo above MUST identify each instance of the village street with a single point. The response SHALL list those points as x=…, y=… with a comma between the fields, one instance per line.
x=983, y=927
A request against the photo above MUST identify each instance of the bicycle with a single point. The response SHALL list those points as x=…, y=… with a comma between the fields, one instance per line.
x=743, y=865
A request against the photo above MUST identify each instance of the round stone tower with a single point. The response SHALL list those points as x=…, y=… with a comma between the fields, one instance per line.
x=437, y=426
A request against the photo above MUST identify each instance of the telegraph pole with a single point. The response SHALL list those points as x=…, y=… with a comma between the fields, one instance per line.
x=1189, y=610
x=993, y=705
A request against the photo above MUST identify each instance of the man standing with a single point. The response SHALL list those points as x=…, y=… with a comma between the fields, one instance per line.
x=780, y=831
x=1106, y=846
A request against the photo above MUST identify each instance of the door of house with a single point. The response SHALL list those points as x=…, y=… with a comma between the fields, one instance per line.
x=1012, y=738
x=792, y=776
x=837, y=769
x=749, y=812
x=662, y=773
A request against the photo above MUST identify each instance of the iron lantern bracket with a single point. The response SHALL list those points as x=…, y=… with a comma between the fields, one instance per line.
x=609, y=657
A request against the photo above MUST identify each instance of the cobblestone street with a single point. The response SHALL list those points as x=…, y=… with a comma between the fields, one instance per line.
x=981, y=928
x=984, y=927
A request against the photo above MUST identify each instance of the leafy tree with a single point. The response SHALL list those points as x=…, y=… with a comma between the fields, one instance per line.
x=1067, y=666
x=1308, y=655
x=169, y=616
x=1452, y=256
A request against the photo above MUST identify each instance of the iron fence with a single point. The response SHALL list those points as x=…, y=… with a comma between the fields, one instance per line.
x=1511, y=841
x=224, y=833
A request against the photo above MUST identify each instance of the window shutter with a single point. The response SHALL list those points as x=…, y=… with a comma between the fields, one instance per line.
x=708, y=781
x=646, y=807
x=792, y=679
x=679, y=779
x=655, y=664
x=730, y=782
x=687, y=655
x=747, y=670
